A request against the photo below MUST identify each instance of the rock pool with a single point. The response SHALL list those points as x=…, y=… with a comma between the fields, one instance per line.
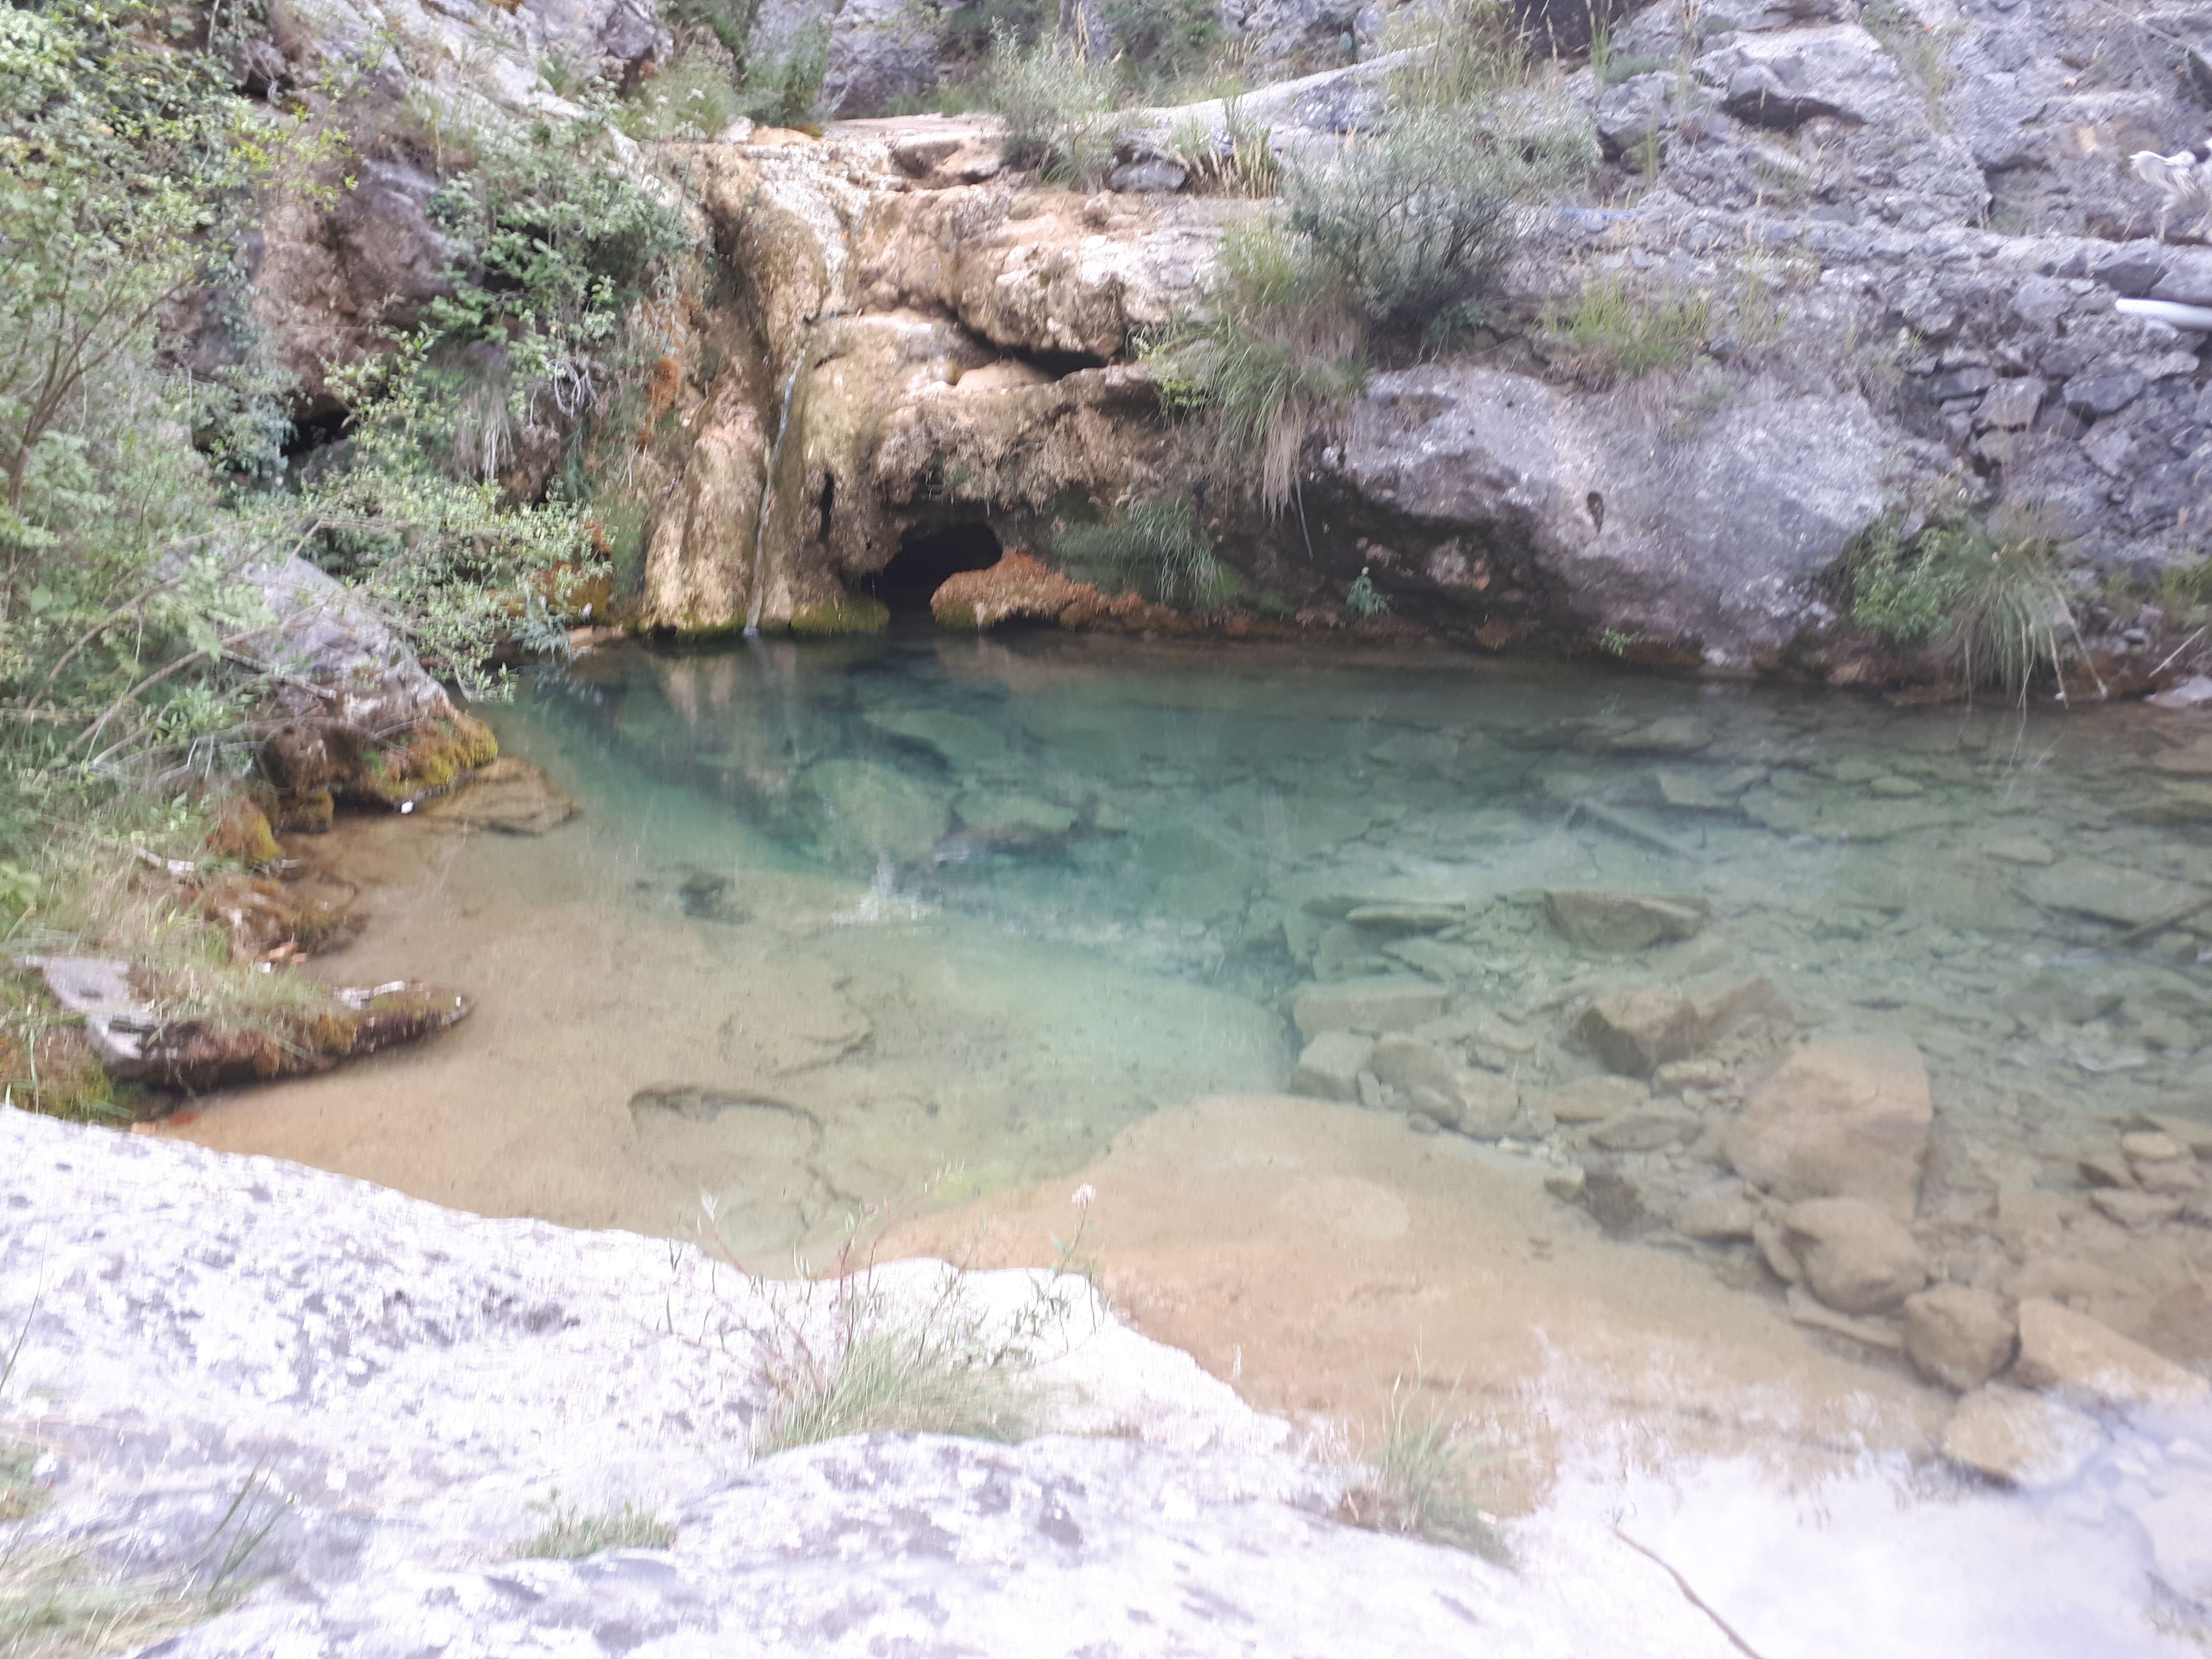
x=1548, y=955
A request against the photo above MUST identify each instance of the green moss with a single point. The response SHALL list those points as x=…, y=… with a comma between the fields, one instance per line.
x=431, y=757
x=852, y=616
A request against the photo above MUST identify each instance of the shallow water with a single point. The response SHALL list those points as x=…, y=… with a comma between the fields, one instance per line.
x=926, y=918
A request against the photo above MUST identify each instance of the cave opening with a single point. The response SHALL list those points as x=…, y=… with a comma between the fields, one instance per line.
x=927, y=557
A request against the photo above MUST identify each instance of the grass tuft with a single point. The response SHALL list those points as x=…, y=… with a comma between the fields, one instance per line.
x=891, y=1376
x=1157, y=543
x=570, y=1534
x=1421, y=1475
x=1616, y=334
x=1059, y=109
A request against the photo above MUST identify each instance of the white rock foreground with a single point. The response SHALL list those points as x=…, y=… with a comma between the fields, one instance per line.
x=396, y=1386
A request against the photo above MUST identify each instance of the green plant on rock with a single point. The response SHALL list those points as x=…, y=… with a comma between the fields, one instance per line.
x=696, y=96
x=782, y=87
x=1164, y=38
x=560, y=242
x=1416, y=224
x=570, y=1533
x=1618, y=333
x=1362, y=602
x=1420, y=1475
x=1232, y=159
x=1159, y=544
x=1275, y=357
x=1059, y=109
x=1986, y=594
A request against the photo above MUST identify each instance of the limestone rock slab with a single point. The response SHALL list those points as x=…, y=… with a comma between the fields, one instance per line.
x=1845, y=1117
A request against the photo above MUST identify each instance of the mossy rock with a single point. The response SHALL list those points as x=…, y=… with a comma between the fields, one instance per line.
x=852, y=616
x=430, y=758
x=243, y=833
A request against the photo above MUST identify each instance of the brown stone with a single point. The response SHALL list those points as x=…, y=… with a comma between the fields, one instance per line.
x=1958, y=1336
x=2018, y=1437
x=1846, y=1117
x=1856, y=1259
x=2090, y=1363
x=1636, y=1031
x=1018, y=588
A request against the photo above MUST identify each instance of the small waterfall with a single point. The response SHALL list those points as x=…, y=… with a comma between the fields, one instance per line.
x=768, y=492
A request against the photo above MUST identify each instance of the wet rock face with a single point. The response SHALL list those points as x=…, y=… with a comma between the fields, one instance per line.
x=2091, y=1363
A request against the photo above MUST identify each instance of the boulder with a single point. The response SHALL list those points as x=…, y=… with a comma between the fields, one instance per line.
x=1329, y=1066
x=1482, y=1104
x=2137, y=1211
x=1018, y=588
x=1856, y=1259
x=2091, y=1363
x=1845, y=1117
x=1383, y=1003
x=1411, y=1063
x=2021, y=1438
x=1787, y=79
x=1591, y=920
x=1958, y=1336
x=880, y=51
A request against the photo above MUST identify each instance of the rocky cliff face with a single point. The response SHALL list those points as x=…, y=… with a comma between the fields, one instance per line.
x=1908, y=226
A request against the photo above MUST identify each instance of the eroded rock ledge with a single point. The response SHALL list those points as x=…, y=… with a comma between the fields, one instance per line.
x=407, y=1381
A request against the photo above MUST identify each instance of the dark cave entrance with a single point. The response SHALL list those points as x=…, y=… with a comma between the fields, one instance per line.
x=926, y=557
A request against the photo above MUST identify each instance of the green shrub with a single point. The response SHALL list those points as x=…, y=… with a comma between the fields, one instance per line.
x=1416, y=223
x=1361, y=602
x=783, y=86
x=1987, y=595
x=1616, y=333
x=1276, y=357
x=1235, y=159
x=695, y=96
x=1168, y=39
x=1059, y=109
x=1158, y=544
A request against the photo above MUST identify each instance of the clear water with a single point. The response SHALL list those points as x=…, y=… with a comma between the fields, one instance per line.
x=843, y=921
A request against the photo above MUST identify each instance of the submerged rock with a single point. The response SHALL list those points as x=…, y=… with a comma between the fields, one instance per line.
x=1958, y=1336
x=510, y=796
x=1329, y=1066
x=1009, y=820
x=1591, y=1099
x=1614, y=922
x=1856, y=1259
x=2091, y=1363
x=1636, y=1031
x=1845, y=1117
x=864, y=811
x=2021, y=1438
x=1376, y=1005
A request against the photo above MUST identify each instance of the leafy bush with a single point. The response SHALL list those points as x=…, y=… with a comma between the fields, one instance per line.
x=1160, y=544
x=782, y=88
x=1058, y=107
x=1986, y=594
x=1616, y=333
x=1415, y=224
x=1168, y=37
x=696, y=95
x=1276, y=357
x=559, y=243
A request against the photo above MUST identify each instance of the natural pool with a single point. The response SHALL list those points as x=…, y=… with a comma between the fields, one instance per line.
x=839, y=918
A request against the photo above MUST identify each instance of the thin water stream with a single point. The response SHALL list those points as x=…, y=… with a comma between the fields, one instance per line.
x=990, y=919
